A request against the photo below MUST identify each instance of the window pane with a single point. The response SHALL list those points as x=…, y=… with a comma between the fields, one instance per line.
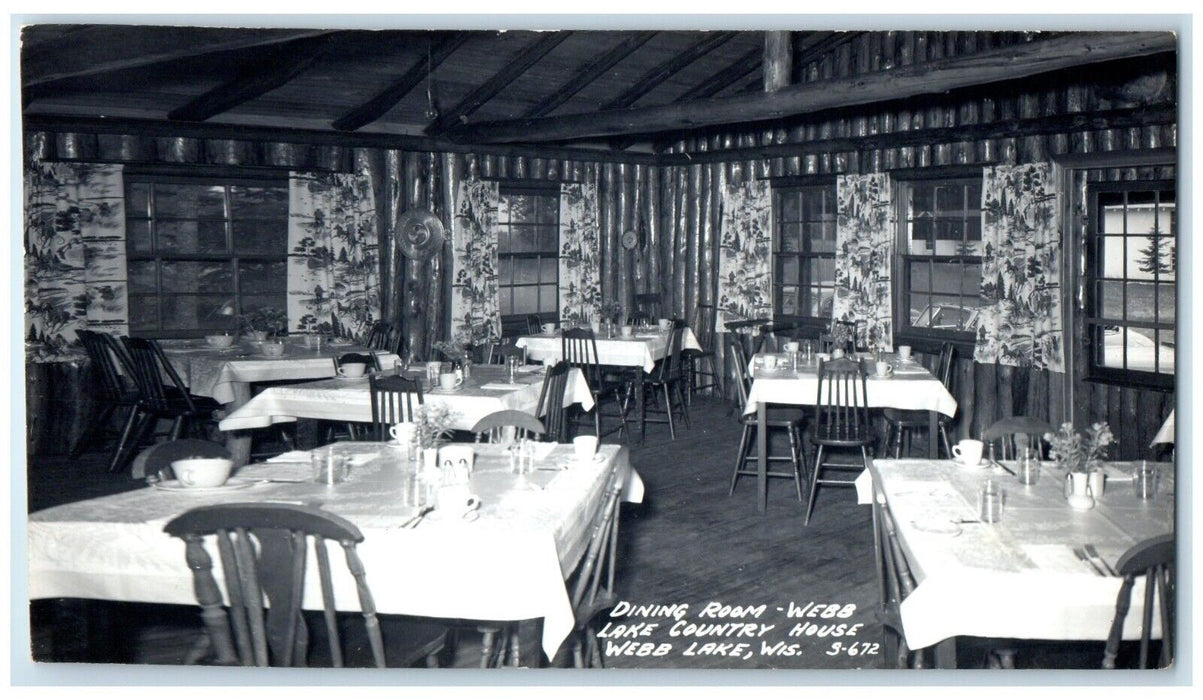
x=820, y=237
x=260, y=237
x=188, y=312
x=526, y=300
x=190, y=201
x=1166, y=298
x=196, y=276
x=262, y=278
x=790, y=208
x=791, y=238
x=1110, y=300
x=522, y=209
x=137, y=234
x=505, y=306
x=141, y=277
x=789, y=270
x=191, y=236
x=1140, y=301
x=258, y=202
x=549, y=240
x=143, y=314
x=526, y=270
x=921, y=234
x=788, y=300
x=504, y=242
x=523, y=239
x=250, y=302
x=548, y=300
x=137, y=200
x=505, y=270
x=549, y=269
x=548, y=209
x=922, y=201
x=920, y=277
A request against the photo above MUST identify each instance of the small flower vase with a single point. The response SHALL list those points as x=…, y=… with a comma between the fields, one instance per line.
x=1079, y=497
x=1096, y=482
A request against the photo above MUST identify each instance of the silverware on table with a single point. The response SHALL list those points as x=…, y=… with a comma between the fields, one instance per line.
x=1093, y=553
x=1080, y=553
x=414, y=521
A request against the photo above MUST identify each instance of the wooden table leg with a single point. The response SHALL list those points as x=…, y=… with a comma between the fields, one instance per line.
x=762, y=456
x=642, y=409
x=238, y=442
x=932, y=438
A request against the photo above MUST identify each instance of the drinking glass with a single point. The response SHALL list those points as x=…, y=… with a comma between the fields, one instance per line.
x=1145, y=480
x=511, y=364
x=991, y=499
x=1028, y=468
x=808, y=352
x=329, y=467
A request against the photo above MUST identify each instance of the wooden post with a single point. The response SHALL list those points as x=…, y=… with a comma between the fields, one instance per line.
x=778, y=60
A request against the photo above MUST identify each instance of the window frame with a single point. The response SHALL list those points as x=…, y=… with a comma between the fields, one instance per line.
x=1093, y=322
x=779, y=187
x=205, y=177
x=517, y=321
x=920, y=337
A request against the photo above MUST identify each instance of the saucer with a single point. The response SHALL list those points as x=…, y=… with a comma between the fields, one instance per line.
x=441, y=390
x=597, y=459
x=340, y=343
x=937, y=526
x=352, y=380
x=980, y=464
x=232, y=484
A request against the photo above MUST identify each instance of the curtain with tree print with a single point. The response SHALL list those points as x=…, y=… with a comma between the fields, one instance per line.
x=1020, y=317
x=475, y=318
x=580, y=286
x=75, y=273
x=745, y=254
x=864, y=239
x=333, y=264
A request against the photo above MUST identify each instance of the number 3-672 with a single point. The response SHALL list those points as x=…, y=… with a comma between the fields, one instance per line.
x=853, y=649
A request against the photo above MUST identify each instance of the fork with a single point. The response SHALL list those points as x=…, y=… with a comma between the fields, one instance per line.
x=1080, y=553
x=1093, y=553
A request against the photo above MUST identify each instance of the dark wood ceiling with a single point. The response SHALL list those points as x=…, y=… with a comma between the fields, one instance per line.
x=460, y=84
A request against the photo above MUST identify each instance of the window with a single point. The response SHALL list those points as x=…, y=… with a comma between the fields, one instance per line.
x=528, y=251
x=940, y=272
x=804, y=252
x=1131, y=265
x=196, y=245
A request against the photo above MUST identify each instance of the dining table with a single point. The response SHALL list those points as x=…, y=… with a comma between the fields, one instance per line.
x=1022, y=577
x=227, y=374
x=909, y=386
x=344, y=399
x=510, y=561
x=630, y=356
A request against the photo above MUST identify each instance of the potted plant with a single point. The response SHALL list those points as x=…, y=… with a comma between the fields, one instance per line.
x=1079, y=454
x=264, y=321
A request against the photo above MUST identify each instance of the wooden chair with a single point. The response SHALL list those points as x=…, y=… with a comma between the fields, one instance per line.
x=154, y=463
x=703, y=331
x=1154, y=559
x=902, y=423
x=1016, y=432
x=524, y=424
x=112, y=393
x=897, y=582
x=394, y=400
x=534, y=326
x=841, y=422
x=579, y=349
x=156, y=400
x=590, y=596
x=789, y=419
x=551, y=402
x=499, y=353
x=649, y=305
x=384, y=336
x=370, y=361
x=263, y=549
x=665, y=377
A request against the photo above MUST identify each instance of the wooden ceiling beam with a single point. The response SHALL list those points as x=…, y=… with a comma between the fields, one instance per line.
x=276, y=66
x=667, y=70
x=589, y=73
x=745, y=64
x=106, y=48
x=527, y=57
x=388, y=98
x=932, y=77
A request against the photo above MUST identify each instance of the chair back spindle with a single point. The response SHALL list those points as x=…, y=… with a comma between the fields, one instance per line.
x=394, y=400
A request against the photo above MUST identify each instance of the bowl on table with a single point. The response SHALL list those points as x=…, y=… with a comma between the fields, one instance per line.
x=272, y=349
x=219, y=341
x=202, y=472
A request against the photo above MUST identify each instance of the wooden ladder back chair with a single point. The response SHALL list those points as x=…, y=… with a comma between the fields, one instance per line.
x=593, y=590
x=579, y=349
x=1015, y=433
x=841, y=421
x=697, y=377
x=666, y=376
x=384, y=336
x=524, y=424
x=394, y=400
x=551, y=402
x=534, y=326
x=648, y=305
x=263, y=548
x=897, y=582
x=1154, y=559
x=499, y=353
x=125, y=447
x=113, y=392
x=901, y=423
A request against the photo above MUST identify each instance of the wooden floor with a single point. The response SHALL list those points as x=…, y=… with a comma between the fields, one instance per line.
x=701, y=572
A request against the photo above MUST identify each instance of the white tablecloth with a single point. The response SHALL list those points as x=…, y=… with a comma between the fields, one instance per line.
x=911, y=387
x=508, y=565
x=642, y=350
x=348, y=400
x=213, y=373
x=1018, y=578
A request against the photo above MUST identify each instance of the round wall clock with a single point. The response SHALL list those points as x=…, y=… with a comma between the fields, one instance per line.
x=629, y=239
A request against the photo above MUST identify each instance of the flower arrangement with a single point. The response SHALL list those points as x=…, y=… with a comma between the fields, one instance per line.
x=842, y=333
x=1076, y=451
x=434, y=423
x=452, y=350
x=611, y=311
x=265, y=319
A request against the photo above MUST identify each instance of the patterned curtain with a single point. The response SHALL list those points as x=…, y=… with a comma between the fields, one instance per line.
x=745, y=254
x=333, y=269
x=75, y=274
x=475, y=318
x=580, y=286
x=1020, y=318
x=864, y=239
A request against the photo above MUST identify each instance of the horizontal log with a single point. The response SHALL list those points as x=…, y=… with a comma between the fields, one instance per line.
x=934, y=77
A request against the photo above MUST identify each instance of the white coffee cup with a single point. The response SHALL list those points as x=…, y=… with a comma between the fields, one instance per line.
x=449, y=381
x=458, y=501
x=770, y=362
x=664, y=323
x=883, y=369
x=968, y=452
x=904, y=352
x=202, y=472
x=595, y=326
x=627, y=331
x=352, y=370
x=791, y=347
x=403, y=432
x=549, y=328
x=584, y=447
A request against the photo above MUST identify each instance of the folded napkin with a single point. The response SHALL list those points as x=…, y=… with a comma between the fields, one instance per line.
x=293, y=456
x=543, y=450
x=1056, y=558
